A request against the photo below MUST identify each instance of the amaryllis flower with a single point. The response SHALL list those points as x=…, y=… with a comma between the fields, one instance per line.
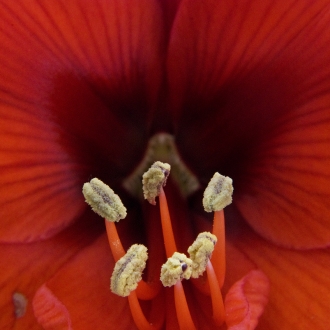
x=242, y=86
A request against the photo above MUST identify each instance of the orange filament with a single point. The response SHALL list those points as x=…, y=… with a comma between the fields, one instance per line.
x=209, y=284
x=216, y=296
x=185, y=320
x=169, y=241
x=145, y=291
x=218, y=256
x=182, y=309
x=140, y=321
x=116, y=247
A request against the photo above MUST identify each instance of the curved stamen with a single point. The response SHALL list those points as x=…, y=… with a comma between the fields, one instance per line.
x=169, y=241
x=182, y=309
x=127, y=276
x=140, y=320
x=216, y=296
x=217, y=195
x=116, y=247
x=145, y=291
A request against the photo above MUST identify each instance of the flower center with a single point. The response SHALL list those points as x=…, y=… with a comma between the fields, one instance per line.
x=205, y=275
x=162, y=147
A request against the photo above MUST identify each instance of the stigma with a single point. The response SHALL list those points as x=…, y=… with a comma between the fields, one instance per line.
x=205, y=255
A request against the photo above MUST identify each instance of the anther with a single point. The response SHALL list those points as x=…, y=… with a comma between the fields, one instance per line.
x=103, y=200
x=200, y=252
x=128, y=270
x=176, y=268
x=218, y=193
x=154, y=179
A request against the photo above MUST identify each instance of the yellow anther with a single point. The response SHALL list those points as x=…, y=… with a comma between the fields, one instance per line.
x=218, y=193
x=176, y=268
x=200, y=252
x=154, y=179
x=103, y=200
x=128, y=270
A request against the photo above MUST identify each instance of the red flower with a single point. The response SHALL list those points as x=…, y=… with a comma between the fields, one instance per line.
x=244, y=88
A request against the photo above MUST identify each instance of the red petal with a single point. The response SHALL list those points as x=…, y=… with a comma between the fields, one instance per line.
x=25, y=267
x=299, y=281
x=246, y=301
x=40, y=186
x=78, y=83
x=286, y=198
x=83, y=287
x=250, y=96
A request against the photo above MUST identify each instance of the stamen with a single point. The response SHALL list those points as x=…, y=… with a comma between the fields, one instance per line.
x=176, y=268
x=169, y=241
x=218, y=193
x=128, y=270
x=216, y=296
x=182, y=309
x=154, y=179
x=153, y=187
x=126, y=280
x=145, y=291
x=200, y=252
x=140, y=320
x=103, y=200
x=116, y=247
x=219, y=253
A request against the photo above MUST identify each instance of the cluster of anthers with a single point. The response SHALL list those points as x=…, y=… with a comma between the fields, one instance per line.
x=126, y=280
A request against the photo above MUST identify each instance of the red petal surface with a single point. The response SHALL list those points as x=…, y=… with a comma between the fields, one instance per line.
x=250, y=94
x=25, y=267
x=299, y=280
x=83, y=286
x=78, y=84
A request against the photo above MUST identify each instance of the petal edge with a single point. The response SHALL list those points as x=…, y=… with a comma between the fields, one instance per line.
x=246, y=301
